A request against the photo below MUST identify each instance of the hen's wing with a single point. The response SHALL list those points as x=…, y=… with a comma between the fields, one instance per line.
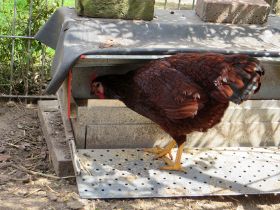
x=227, y=77
x=169, y=91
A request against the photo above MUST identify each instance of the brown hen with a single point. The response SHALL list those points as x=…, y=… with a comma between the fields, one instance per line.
x=184, y=93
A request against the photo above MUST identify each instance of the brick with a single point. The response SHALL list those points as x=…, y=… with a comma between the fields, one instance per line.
x=233, y=11
x=124, y=9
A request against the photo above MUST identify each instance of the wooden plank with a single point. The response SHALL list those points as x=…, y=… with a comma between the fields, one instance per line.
x=53, y=130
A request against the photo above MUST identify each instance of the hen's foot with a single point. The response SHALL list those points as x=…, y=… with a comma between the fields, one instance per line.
x=173, y=167
x=161, y=152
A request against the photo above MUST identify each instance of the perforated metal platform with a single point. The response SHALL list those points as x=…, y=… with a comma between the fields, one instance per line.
x=131, y=173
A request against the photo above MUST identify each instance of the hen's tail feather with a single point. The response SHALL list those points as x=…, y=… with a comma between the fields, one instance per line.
x=242, y=79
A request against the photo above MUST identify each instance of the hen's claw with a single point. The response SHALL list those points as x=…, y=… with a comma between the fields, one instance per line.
x=161, y=152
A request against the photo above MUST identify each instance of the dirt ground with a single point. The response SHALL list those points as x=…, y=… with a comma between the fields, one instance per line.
x=27, y=180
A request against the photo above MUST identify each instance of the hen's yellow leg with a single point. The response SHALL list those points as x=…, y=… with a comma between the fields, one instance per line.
x=160, y=152
x=176, y=166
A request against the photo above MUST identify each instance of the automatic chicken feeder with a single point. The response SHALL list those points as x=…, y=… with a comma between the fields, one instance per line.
x=102, y=141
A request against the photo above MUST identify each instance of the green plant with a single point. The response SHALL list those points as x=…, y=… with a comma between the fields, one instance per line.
x=31, y=59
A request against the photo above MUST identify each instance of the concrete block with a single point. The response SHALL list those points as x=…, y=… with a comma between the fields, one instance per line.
x=125, y=136
x=124, y=9
x=80, y=88
x=255, y=134
x=53, y=130
x=233, y=11
x=110, y=124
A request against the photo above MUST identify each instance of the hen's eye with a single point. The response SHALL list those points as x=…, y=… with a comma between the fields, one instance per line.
x=98, y=85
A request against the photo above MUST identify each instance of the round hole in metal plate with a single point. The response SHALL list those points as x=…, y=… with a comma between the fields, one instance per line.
x=86, y=190
x=107, y=150
x=123, y=150
x=84, y=180
x=102, y=190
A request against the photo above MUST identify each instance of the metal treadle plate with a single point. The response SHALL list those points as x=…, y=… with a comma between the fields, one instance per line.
x=132, y=173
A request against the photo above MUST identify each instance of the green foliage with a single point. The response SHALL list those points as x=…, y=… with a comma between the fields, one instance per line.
x=32, y=60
